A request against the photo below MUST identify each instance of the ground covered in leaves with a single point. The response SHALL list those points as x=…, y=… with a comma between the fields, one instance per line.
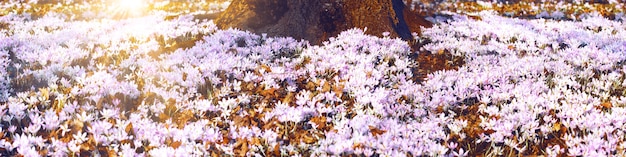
x=477, y=85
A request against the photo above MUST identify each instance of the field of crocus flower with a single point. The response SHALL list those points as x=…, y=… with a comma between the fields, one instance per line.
x=521, y=79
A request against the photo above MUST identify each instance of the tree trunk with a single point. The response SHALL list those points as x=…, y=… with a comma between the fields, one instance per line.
x=316, y=20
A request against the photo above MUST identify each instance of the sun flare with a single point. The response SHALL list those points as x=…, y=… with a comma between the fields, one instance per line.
x=129, y=8
x=131, y=4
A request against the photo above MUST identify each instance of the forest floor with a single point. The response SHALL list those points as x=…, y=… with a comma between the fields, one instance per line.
x=488, y=79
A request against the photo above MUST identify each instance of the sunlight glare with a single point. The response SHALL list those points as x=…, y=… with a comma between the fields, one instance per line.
x=130, y=4
x=129, y=8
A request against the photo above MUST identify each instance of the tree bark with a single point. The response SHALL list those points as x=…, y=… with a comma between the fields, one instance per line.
x=317, y=20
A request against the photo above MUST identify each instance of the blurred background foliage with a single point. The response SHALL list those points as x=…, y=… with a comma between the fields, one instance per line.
x=209, y=9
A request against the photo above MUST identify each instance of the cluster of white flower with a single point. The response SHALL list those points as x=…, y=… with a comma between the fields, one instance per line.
x=536, y=80
x=4, y=66
x=126, y=87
